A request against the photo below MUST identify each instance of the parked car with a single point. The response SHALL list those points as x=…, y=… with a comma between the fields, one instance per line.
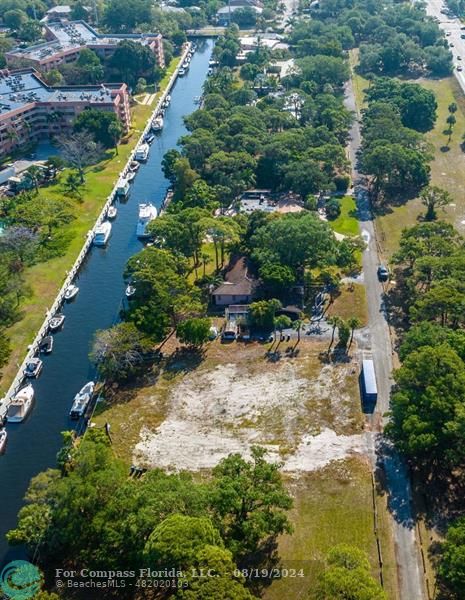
x=383, y=273
x=460, y=68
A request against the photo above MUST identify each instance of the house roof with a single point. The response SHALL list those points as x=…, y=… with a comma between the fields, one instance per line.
x=237, y=280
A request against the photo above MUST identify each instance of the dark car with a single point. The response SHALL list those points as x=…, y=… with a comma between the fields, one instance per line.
x=383, y=273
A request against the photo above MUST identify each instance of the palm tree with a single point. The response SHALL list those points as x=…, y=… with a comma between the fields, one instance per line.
x=205, y=260
x=334, y=321
x=297, y=326
x=354, y=323
x=281, y=322
x=33, y=173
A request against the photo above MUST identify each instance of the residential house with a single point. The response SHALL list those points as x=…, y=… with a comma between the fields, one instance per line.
x=238, y=286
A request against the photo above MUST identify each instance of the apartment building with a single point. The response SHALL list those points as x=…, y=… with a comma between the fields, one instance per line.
x=30, y=109
x=68, y=38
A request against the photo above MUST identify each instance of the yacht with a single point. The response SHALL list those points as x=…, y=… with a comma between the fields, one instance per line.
x=122, y=187
x=3, y=439
x=56, y=322
x=20, y=405
x=157, y=123
x=46, y=345
x=112, y=211
x=102, y=233
x=33, y=367
x=81, y=400
x=142, y=152
x=130, y=291
x=71, y=292
x=147, y=213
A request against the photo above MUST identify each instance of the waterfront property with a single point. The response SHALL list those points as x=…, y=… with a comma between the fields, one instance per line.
x=238, y=286
x=30, y=109
x=67, y=39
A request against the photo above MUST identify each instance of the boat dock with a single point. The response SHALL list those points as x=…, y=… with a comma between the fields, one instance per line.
x=33, y=348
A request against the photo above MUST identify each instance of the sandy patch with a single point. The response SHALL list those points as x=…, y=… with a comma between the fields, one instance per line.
x=230, y=408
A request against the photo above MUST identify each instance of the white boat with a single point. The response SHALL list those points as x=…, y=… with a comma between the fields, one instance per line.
x=33, y=367
x=142, y=152
x=147, y=213
x=168, y=99
x=122, y=187
x=181, y=72
x=112, y=211
x=130, y=291
x=46, y=345
x=20, y=405
x=134, y=166
x=149, y=138
x=81, y=400
x=157, y=123
x=102, y=233
x=3, y=439
x=56, y=322
x=71, y=292
x=131, y=175
x=185, y=65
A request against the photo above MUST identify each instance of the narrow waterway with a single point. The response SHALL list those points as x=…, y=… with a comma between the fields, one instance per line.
x=32, y=446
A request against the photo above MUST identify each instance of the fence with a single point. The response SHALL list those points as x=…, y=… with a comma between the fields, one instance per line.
x=34, y=347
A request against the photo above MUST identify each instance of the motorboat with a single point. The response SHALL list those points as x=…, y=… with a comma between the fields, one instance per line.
x=185, y=65
x=181, y=72
x=167, y=101
x=122, y=187
x=81, y=400
x=147, y=213
x=130, y=291
x=142, y=152
x=157, y=123
x=131, y=175
x=3, y=440
x=46, y=345
x=71, y=292
x=20, y=405
x=56, y=322
x=150, y=137
x=33, y=367
x=209, y=72
x=112, y=212
x=102, y=233
x=134, y=166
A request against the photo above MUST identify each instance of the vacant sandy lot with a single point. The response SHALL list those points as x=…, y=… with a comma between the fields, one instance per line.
x=305, y=413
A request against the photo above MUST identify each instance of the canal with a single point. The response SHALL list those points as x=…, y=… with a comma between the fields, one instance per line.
x=32, y=446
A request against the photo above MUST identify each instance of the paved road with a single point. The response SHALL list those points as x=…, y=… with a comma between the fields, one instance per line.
x=453, y=31
x=411, y=583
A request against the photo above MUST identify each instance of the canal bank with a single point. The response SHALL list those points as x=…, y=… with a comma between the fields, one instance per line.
x=32, y=446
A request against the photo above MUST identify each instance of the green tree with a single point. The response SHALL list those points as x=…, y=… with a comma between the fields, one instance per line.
x=451, y=565
x=249, y=502
x=262, y=312
x=433, y=197
x=354, y=323
x=194, y=332
x=98, y=123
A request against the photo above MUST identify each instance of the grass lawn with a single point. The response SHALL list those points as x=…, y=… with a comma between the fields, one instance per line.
x=208, y=249
x=447, y=169
x=332, y=506
x=351, y=302
x=44, y=280
x=346, y=223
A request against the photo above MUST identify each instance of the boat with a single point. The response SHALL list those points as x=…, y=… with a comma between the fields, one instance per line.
x=149, y=138
x=112, y=212
x=147, y=213
x=71, y=292
x=130, y=291
x=157, y=123
x=81, y=400
x=46, y=345
x=20, y=405
x=33, y=367
x=181, y=72
x=185, y=65
x=134, y=166
x=167, y=101
x=3, y=439
x=102, y=233
x=122, y=187
x=209, y=72
x=142, y=152
x=56, y=322
x=131, y=176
